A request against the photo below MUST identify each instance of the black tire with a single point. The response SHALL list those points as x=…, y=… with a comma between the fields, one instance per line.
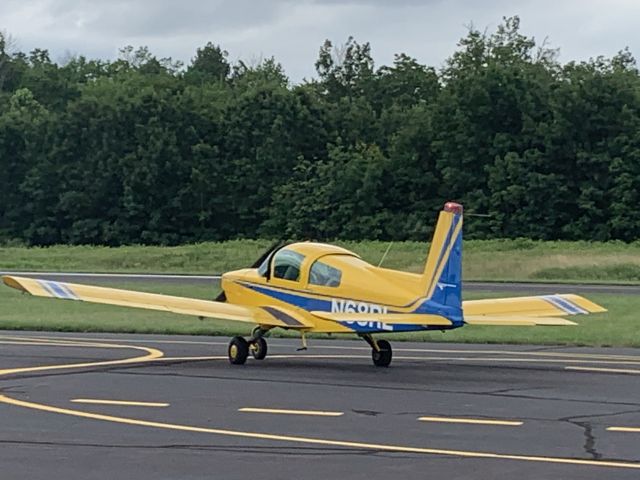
x=238, y=351
x=259, y=348
x=382, y=357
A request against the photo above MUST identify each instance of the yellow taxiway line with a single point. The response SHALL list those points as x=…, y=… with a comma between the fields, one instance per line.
x=473, y=421
x=152, y=354
x=605, y=370
x=317, y=413
x=119, y=402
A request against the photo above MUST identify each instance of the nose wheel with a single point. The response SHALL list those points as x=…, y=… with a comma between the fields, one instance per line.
x=381, y=352
x=382, y=356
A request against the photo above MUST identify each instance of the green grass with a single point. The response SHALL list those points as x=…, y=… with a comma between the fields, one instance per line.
x=618, y=327
x=521, y=260
x=506, y=260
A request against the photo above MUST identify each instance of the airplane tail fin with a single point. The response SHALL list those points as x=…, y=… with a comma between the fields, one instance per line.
x=442, y=276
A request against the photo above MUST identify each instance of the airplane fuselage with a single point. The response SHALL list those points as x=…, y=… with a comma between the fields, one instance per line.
x=360, y=289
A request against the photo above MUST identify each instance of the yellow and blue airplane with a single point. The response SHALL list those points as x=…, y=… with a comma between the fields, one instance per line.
x=320, y=288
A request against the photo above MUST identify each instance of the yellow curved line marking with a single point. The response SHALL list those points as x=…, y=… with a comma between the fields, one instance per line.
x=119, y=402
x=472, y=421
x=315, y=441
x=152, y=354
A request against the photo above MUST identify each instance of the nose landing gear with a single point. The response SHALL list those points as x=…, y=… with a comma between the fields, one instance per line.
x=381, y=352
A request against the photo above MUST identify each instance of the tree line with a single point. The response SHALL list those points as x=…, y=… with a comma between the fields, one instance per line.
x=144, y=150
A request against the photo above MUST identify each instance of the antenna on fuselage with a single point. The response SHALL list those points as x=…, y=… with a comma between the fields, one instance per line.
x=385, y=253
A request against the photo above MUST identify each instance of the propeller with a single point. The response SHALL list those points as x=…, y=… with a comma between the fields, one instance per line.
x=222, y=297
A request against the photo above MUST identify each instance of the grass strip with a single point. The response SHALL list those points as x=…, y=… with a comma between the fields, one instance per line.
x=491, y=260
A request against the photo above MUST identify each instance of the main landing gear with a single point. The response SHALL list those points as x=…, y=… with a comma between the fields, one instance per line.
x=381, y=352
x=239, y=347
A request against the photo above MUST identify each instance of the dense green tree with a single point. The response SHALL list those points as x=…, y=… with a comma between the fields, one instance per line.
x=23, y=133
x=142, y=150
x=336, y=197
x=209, y=65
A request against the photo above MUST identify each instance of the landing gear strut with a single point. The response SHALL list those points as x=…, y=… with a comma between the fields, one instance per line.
x=381, y=352
x=239, y=347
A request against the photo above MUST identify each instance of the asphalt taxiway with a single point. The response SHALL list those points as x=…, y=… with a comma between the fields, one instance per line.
x=171, y=407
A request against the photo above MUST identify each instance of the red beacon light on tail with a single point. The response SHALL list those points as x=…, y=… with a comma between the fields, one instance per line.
x=453, y=207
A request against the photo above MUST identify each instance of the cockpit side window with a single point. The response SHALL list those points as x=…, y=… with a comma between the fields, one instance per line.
x=286, y=265
x=324, y=275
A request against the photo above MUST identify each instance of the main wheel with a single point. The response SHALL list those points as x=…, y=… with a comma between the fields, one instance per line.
x=238, y=351
x=382, y=357
x=259, y=348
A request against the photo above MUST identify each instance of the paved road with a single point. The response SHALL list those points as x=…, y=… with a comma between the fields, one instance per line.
x=529, y=412
x=516, y=287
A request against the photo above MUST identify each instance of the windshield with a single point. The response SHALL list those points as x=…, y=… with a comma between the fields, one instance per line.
x=264, y=266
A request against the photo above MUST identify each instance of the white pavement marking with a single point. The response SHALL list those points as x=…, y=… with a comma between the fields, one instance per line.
x=605, y=370
x=316, y=413
x=119, y=402
x=473, y=421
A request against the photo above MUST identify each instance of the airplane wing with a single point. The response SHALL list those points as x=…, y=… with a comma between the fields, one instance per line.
x=536, y=310
x=388, y=318
x=265, y=316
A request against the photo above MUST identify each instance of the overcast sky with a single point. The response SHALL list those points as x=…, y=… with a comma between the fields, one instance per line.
x=292, y=31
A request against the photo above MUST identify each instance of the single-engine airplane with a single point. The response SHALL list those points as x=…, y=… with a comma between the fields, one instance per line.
x=315, y=287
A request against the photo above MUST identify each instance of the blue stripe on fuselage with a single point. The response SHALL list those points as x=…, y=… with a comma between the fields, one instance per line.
x=306, y=303
x=310, y=304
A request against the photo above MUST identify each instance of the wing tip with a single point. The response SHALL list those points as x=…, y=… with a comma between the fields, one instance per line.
x=584, y=303
x=13, y=282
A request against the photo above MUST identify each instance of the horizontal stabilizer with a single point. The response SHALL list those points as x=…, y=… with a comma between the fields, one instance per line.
x=266, y=316
x=503, y=320
x=388, y=318
x=538, y=306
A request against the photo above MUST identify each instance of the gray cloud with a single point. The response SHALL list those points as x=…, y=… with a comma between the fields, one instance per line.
x=292, y=31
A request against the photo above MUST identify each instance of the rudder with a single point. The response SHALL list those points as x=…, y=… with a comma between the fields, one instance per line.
x=442, y=276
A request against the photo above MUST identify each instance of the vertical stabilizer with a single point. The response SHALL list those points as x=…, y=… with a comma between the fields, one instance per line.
x=442, y=276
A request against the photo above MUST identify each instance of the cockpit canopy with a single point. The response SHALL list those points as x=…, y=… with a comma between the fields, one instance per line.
x=287, y=264
x=320, y=267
